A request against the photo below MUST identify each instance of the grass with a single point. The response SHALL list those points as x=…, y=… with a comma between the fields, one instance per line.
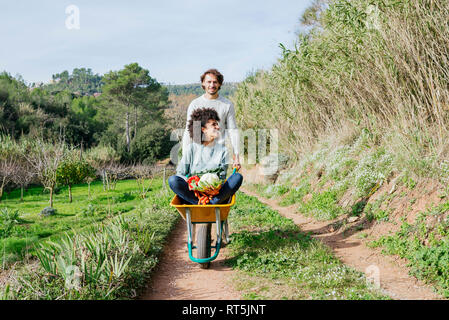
x=296, y=194
x=278, y=261
x=83, y=211
x=345, y=77
x=108, y=259
x=425, y=245
x=322, y=206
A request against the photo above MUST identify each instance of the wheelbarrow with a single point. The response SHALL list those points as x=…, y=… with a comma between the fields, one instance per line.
x=203, y=216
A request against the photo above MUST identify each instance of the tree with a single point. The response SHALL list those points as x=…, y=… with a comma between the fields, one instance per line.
x=151, y=143
x=129, y=90
x=8, y=168
x=8, y=161
x=141, y=173
x=100, y=158
x=72, y=171
x=82, y=81
x=91, y=175
x=25, y=174
x=45, y=159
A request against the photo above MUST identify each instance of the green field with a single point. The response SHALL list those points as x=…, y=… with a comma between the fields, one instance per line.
x=102, y=248
x=31, y=227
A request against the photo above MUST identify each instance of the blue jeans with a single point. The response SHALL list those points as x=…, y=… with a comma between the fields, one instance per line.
x=181, y=188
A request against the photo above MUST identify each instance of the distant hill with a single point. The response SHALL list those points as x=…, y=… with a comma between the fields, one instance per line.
x=82, y=81
x=227, y=89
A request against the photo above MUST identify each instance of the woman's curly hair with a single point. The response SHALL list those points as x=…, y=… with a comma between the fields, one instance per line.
x=203, y=116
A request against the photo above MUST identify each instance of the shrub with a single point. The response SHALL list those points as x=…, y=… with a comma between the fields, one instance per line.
x=322, y=206
x=73, y=171
x=8, y=219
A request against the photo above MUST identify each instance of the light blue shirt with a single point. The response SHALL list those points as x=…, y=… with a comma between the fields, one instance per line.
x=199, y=158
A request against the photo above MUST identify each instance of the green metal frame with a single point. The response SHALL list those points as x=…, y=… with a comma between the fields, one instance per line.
x=219, y=225
x=190, y=245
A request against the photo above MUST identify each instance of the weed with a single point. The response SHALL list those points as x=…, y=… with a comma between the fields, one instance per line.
x=426, y=247
x=322, y=206
x=296, y=194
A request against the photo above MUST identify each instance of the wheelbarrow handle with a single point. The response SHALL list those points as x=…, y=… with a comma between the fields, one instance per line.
x=233, y=171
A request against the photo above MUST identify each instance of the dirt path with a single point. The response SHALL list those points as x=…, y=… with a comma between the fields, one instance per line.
x=178, y=278
x=351, y=250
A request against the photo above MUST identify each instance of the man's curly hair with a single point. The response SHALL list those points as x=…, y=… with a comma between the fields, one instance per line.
x=201, y=115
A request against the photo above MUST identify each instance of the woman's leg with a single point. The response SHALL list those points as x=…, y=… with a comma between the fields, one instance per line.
x=181, y=188
x=228, y=189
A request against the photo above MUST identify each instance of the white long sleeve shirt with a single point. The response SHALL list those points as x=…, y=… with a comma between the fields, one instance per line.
x=226, y=113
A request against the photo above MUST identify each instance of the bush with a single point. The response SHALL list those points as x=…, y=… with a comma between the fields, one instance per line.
x=322, y=206
x=151, y=143
x=8, y=219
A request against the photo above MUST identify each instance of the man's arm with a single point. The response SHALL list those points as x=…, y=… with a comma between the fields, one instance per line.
x=234, y=135
x=223, y=164
x=183, y=168
x=186, y=140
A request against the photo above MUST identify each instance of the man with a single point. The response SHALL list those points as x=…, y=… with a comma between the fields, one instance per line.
x=211, y=81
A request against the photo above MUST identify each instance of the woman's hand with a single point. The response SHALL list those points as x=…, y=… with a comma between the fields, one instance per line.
x=236, y=163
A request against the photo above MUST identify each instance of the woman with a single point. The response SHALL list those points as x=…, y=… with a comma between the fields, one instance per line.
x=203, y=155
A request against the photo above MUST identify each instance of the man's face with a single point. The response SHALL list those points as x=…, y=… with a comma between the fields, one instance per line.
x=210, y=84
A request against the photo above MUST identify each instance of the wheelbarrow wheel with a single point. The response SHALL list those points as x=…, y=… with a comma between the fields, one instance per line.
x=204, y=243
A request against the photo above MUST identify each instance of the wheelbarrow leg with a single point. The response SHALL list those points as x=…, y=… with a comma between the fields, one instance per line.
x=226, y=232
x=218, y=221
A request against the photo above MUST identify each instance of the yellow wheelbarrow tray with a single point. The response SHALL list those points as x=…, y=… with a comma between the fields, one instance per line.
x=204, y=215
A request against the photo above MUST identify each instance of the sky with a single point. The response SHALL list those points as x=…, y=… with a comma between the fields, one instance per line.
x=175, y=40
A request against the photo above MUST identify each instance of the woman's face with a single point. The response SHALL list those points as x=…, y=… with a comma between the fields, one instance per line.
x=211, y=131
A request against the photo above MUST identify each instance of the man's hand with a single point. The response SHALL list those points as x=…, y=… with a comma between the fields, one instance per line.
x=236, y=163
